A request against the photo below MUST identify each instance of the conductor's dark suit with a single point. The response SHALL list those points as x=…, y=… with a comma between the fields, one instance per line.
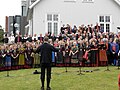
x=46, y=60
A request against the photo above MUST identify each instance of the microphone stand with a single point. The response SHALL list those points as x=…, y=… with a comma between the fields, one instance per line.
x=7, y=70
x=65, y=63
x=66, y=68
x=107, y=67
x=80, y=68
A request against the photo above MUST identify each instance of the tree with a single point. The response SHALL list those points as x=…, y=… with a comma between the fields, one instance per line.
x=1, y=34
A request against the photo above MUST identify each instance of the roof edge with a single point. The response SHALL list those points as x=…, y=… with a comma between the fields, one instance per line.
x=117, y=1
x=34, y=4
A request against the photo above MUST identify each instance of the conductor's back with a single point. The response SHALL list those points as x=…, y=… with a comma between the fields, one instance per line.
x=46, y=52
x=46, y=60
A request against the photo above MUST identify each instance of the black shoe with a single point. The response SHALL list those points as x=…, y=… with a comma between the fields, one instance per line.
x=42, y=88
x=48, y=88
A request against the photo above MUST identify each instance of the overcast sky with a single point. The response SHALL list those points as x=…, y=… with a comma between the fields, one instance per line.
x=9, y=8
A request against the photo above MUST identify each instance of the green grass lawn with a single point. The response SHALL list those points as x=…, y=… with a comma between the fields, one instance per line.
x=61, y=80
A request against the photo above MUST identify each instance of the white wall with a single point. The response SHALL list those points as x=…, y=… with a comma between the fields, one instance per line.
x=75, y=13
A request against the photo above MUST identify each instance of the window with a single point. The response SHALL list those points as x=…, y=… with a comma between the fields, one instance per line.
x=52, y=22
x=55, y=28
x=49, y=17
x=55, y=17
x=105, y=23
x=49, y=27
x=87, y=1
x=102, y=27
x=107, y=27
x=101, y=18
x=107, y=18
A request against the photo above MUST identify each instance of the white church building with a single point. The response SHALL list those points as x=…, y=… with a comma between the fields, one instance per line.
x=49, y=15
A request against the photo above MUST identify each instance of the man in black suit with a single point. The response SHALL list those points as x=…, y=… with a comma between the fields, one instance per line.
x=46, y=61
x=18, y=38
x=40, y=38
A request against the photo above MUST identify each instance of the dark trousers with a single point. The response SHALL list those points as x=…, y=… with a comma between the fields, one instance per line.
x=45, y=66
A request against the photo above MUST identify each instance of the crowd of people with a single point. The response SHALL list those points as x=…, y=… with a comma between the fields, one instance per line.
x=80, y=44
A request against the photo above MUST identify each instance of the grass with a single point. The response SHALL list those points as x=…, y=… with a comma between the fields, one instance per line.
x=61, y=80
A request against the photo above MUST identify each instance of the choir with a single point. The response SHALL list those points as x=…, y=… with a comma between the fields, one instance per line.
x=77, y=46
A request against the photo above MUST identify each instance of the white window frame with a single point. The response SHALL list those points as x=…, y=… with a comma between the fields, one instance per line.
x=110, y=23
x=58, y=22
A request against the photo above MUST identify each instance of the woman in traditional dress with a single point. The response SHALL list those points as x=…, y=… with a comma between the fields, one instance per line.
x=8, y=58
x=36, y=56
x=102, y=53
x=60, y=55
x=86, y=56
x=28, y=53
x=93, y=53
x=80, y=52
x=67, y=54
x=74, y=53
x=114, y=49
x=15, y=55
x=2, y=56
x=21, y=61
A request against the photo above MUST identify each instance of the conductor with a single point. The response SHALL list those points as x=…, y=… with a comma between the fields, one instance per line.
x=46, y=61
